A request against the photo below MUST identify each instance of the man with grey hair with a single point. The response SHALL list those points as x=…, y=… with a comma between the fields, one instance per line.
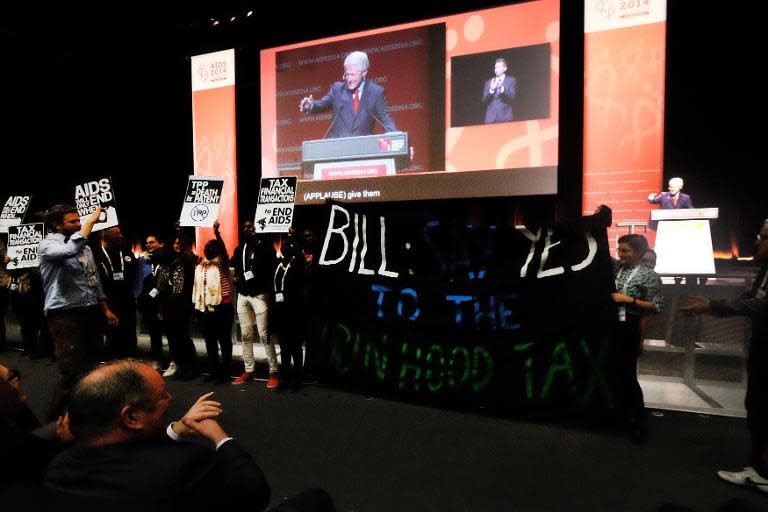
x=125, y=450
x=126, y=453
x=674, y=199
x=358, y=104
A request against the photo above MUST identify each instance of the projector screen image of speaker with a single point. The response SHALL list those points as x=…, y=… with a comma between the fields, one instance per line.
x=500, y=86
x=400, y=113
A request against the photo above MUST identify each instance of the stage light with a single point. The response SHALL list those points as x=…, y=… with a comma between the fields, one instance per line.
x=233, y=18
x=249, y=13
x=215, y=22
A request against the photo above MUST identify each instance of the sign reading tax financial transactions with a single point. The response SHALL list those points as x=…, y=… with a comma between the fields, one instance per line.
x=13, y=212
x=201, y=202
x=274, y=212
x=22, y=245
x=92, y=194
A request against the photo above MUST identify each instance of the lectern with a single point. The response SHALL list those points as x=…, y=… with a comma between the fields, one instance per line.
x=367, y=156
x=684, y=241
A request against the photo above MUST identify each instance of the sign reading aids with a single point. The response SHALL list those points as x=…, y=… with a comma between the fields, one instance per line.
x=14, y=209
x=201, y=202
x=22, y=245
x=274, y=212
x=92, y=194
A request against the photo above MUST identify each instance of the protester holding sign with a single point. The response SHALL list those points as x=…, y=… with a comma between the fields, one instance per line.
x=638, y=292
x=25, y=288
x=212, y=297
x=75, y=303
x=254, y=261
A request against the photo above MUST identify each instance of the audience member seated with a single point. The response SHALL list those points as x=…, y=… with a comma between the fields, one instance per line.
x=26, y=448
x=125, y=454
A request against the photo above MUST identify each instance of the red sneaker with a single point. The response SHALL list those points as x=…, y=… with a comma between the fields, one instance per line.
x=242, y=379
x=273, y=382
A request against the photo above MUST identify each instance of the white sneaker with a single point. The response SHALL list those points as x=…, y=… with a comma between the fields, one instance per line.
x=171, y=371
x=747, y=477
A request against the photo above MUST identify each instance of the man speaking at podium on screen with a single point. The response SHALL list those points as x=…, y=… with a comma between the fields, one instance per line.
x=674, y=199
x=358, y=104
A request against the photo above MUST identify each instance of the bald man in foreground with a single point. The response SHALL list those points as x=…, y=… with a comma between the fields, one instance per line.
x=125, y=451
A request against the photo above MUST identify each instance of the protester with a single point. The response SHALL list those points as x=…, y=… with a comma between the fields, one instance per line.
x=146, y=299
x=173, y=292
x=638, y=292
x=254, y=261
x=117, y=271
x=289, y=310
x=212, y=297
x=75, y=303
x=753, y=304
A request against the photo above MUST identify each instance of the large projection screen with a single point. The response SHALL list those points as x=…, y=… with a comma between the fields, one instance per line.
x=469, y=133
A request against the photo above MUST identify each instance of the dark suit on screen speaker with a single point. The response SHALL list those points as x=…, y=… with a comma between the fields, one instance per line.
x=371, y=110
x=498, y=104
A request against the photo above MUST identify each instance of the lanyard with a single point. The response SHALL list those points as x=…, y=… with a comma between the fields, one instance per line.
x=245, y=250
x=285, y=273
x=629, y=279
x=109, y=260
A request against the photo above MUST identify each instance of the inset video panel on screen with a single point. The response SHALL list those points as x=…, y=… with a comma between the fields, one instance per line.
x=457, y=106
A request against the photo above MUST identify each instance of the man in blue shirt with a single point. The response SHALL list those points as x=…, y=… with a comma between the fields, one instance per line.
x=75, y=303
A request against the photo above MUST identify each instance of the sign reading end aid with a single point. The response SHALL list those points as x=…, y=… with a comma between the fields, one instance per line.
x=277, y=198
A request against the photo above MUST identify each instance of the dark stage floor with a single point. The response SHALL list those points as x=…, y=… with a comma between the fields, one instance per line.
x=380, y=455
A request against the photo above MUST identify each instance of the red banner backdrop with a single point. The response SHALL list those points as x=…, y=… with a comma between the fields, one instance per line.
x=213, y=126
x=624, y=54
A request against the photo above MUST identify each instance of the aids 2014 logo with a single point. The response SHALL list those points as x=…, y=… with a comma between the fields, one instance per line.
x=212, y=71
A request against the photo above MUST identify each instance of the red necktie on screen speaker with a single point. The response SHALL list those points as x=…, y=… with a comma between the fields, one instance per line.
x=356, y=100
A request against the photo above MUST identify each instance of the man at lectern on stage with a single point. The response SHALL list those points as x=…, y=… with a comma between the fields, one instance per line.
x=674, y=199
x=358, y=104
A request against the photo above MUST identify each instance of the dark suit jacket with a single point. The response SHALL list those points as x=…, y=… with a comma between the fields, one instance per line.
x=157, y=471
x=345, y=122
x=499, y=105
x=667, y=201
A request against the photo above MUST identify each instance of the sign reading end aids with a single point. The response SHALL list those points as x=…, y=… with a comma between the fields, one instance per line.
x=201, y=201
x=14, y=209
x=277, y=199
x=92, y=194
x=22, y=245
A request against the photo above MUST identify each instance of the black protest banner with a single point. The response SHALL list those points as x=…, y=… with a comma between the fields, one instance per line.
x=508, y=319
